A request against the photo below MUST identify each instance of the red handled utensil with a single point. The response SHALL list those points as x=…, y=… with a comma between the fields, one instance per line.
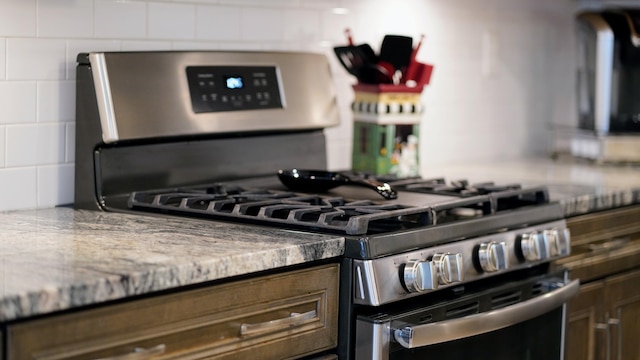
x=413, y=68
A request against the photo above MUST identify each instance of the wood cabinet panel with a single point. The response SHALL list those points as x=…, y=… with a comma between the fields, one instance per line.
x=281, y=316
x=604, y=319
x=581, y=332
x=586, y=229
x=623, y=300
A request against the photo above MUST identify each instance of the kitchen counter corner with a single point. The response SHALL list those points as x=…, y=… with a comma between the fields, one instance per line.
x=57, y=259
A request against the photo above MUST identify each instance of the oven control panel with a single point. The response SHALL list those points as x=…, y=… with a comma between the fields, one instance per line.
x=377, y=281
x=229, y=88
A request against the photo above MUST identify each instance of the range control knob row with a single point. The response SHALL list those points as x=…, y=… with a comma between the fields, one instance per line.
x=559, y=241
x=450, y=268
x=536, y=246
x=420, y=276
x=441, y=269
x=493, y=256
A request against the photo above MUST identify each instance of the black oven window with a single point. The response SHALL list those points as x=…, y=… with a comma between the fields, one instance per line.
x=536, y=339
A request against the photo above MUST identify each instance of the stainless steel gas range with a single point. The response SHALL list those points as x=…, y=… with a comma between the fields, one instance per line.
x=434, y=267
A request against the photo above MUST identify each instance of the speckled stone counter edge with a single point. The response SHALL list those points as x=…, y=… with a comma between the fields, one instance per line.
x=50, y=262
x=584, y=204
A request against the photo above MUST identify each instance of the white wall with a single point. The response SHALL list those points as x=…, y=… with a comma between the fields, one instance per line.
x=503, y=70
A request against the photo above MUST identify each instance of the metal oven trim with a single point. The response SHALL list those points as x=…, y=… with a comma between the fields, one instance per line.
x=377, y=282
x=429, y=334
x=428, y=327
x=104, y=98
x=145, y=95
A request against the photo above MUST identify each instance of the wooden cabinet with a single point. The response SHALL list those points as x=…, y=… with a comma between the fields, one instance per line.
x=280, y=316
x=604, y=319
x=584, y=311
x=623, y=305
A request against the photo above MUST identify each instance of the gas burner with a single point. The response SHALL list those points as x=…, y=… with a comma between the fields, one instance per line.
x=318, y=212
x=460, y=188
x=273, y=207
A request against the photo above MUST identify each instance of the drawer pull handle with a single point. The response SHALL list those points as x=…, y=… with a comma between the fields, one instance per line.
x=139, y=353
x=611, y=245
x=294, y=319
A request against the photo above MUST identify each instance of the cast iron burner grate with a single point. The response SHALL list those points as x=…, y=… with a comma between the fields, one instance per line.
x=460, y=188
x=504, y=197
x=286, y=208
x=326, y=213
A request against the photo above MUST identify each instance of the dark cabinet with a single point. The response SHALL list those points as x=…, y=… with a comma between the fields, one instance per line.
x=281, y=316
x=604, y=319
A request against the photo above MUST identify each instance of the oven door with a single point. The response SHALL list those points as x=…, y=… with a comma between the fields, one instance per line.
x=521, y=320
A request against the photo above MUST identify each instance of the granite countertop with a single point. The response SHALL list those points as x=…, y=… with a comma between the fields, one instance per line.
x=57, y=259
x=580, y=186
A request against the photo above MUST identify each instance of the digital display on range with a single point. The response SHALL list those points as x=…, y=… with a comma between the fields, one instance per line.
x=232, y=88
x=234, y=82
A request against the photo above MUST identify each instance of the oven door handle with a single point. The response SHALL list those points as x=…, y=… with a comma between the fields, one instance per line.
x=428, y=334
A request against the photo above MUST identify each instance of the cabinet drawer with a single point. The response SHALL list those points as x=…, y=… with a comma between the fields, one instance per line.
x=279, y=316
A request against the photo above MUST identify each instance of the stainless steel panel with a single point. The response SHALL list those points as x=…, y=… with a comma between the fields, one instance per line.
x=146, y=94
x=603, y=71
x=373, y=341
x=377, y=281
x=415, y=336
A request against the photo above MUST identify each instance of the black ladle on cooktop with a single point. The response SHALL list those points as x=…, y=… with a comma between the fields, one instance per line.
x=318, y=181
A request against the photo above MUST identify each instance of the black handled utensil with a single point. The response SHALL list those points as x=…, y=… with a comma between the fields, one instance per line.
x=322, y=181
x=395, y=52
x=356, y=59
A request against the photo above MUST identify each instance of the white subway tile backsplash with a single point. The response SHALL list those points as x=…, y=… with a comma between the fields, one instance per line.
x=56, y=101
x=218, y=23
x=194, y=45
x=17, y=17
x=55, y=185
x=530, y=57
x=18, y=188
x=334, y=25
x=143, y=45
x=35, y=144
x=3, y=59
x=70, y=142
x=260, y=3
x=17, y=102
x=64, y=18
x=2, y=145
x=302, y=25
x=50, y=143
x=120, y=19
x=35, y=59
x=339, y=155
x=21, y=144
x=171, y=21
x=259, y=24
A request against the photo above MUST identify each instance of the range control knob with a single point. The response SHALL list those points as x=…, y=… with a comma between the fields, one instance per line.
x=534, y=246
x=558, y=241
x=493, y=256
x=450, y=268
x=420, y=276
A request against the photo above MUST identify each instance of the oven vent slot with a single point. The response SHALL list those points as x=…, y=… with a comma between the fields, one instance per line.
x=464, y=310
x=506, y=299
x=537, y=289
